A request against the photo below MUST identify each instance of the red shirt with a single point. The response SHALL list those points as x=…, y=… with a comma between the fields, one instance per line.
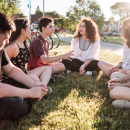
x=38, y=47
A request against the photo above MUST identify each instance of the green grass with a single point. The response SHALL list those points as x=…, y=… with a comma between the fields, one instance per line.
x=79, y=102
x=115, y=39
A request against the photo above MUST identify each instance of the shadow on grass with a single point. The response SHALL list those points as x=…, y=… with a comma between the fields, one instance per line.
x=61, y=89
x=108, y=117
x=96, y=96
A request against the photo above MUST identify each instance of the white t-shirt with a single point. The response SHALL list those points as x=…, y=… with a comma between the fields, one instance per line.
x=126, y=58
x=92, y=53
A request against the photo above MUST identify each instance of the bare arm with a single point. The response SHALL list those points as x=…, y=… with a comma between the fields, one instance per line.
x=7, y=90
x=12, y=50
x=17, y=74
x=125, y=78
x=82, y=68
x=86, y=63
x=46, y=60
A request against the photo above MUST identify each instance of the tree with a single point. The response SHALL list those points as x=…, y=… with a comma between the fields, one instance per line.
x=53, y=13
x=83, y=9
x=122, y=9
x=21, y=15
x=111, y=19
x=38, y=11
x=10, y=7
x=95, y=13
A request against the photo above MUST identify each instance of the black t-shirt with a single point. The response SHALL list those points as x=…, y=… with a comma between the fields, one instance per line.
x=4, y=59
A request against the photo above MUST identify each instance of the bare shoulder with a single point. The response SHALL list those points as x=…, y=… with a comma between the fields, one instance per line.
x=12, y=46
x=12, y=50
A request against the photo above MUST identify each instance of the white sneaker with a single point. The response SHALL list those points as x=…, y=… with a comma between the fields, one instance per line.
x=68, y=71
x=88, y=73
x=124, y=104
x=49, y=90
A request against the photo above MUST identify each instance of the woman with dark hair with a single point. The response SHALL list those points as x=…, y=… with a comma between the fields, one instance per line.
x=85, y=45
x=19, y=55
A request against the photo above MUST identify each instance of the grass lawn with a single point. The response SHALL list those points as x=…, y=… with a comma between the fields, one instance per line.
x=115, y=39
x=79, y=102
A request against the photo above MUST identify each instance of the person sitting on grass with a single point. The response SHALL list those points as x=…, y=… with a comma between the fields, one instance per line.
x=119, y=85
x=86, y=47
x=39, y=49
x=123, y=67
x=18, y=53
x=17, y=97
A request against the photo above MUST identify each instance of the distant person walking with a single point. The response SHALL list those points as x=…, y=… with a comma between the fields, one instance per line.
x=64, y=31
x=60, y=31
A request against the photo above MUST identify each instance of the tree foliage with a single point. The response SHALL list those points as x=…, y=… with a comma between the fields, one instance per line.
x=38, y=11
x=10, y=7
x=53, y=13
x=21, y=15
x=83, y=9
x=122, y=9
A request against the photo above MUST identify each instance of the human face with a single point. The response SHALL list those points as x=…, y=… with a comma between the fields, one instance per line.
x=49, y=30
x=82, y=28
x=4, y=39
x=26, y=32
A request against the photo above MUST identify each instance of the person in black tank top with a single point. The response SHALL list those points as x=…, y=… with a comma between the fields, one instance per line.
x=20, y=60
x=19, y=54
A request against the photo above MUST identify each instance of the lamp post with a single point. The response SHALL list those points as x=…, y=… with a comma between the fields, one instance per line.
x=29, y=6
x=43, y=8
x=30, y=10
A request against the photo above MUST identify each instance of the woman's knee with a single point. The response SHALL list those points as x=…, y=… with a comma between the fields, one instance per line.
x=114, y=75
x=115, y=93
x=34, y=78
x=100, y=63
x=61, y=67
x=117, y=75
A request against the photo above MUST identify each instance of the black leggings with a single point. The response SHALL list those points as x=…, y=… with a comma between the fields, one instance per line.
x=75, y=64
x=12, y=108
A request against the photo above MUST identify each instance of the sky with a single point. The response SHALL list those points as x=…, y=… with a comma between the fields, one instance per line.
x=62, y=6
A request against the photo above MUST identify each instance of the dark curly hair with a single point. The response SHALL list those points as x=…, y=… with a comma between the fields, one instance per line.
x=91, y=30
x=126, y=28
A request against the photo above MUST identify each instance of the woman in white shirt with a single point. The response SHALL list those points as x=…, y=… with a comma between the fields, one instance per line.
x=85, y=45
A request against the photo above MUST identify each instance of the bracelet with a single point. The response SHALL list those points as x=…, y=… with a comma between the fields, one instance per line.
x=83, y=66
